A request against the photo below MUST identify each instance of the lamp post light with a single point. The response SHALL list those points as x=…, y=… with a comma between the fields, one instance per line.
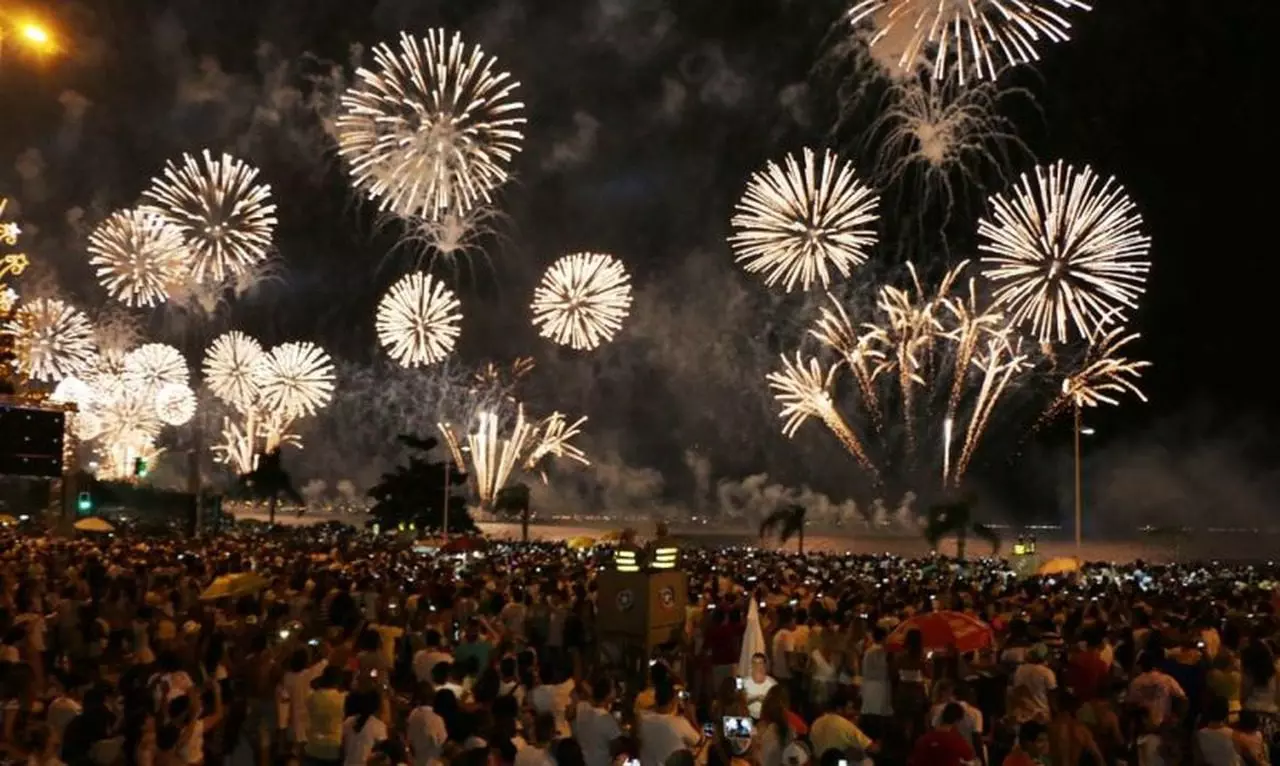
x=1080, y=430
x=30, y=34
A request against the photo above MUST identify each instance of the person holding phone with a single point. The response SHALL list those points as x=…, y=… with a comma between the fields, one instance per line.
x=668, y=729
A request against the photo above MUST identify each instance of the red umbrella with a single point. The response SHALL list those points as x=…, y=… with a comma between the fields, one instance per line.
x=942, y=630
x=465, y=545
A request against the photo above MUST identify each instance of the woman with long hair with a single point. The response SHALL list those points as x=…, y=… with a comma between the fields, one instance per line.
x=773, y=731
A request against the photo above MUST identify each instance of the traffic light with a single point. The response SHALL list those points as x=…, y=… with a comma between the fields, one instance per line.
x=84, y=504
x=140, y=467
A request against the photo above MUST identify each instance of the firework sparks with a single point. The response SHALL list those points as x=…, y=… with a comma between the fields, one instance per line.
x=1104, y=375
x=1065, y=250
x=225, y=216
x=73, y=390
x=492, y=376
x=582, y=300
x=553, y=438
x=232, y=368
x=967, y=38
x=175, y=404
x=493, y=457
x=151, y=367
x=861, y=350
x=51, y=339
x=297, y=379
x=804, y=391
x=799, y=220
x=417, y=320
x=432, y=128
x=999, y=364
x=139, y=257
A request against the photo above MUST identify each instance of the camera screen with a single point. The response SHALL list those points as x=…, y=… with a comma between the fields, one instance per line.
x=737, y=727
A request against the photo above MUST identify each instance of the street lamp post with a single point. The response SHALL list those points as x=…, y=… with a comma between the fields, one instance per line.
x=30, y=33
x=1079, y=514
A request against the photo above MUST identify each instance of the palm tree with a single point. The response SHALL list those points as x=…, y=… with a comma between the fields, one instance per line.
x=268, y=481
x=515, y=500
x=956, y=518
x=414, y=492
x=789, y=522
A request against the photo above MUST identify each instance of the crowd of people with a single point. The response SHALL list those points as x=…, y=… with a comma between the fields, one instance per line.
x=315, y=646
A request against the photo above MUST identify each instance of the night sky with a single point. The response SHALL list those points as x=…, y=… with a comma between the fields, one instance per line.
x=645, y=119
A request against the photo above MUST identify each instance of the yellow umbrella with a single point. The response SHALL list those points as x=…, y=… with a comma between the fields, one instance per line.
x=7, y=520
x=581, y=542
x=94, y=524
x=1059, y=566
x=234, y=586
x=612, y=537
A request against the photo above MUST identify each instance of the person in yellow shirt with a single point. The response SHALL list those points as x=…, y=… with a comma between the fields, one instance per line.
x=836, y=729
x=325, y=714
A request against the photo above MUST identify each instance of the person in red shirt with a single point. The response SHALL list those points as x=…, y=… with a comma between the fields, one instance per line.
x=1088, y=673
x=944, y=746
x=1033, y=745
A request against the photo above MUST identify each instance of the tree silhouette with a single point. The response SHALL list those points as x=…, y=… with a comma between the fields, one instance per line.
x=268, y=481
x=956, y=518
x=514, y=500
x=415, y=493
x=788, y=521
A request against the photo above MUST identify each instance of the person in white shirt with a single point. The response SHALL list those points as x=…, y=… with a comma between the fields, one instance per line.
x=969, y=727
x=594, y=726
x=1037, y=681
x=426, y=732
x=539, y=753
x=877, y=690
x=553, y=697
x=758, y=685
x=665, y=731
x=425, y=660
x=295, y=687
x=362, y=732
x=1154, y=690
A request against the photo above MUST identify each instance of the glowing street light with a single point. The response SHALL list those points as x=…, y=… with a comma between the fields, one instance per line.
x=30, y=34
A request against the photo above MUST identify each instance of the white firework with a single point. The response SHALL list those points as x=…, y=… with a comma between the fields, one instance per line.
x=1066, y=251
x=431, y=128
x=52, y=340
x=175, y=404
x=73, y=390
x=417, y=320
x=297, y=379
x=148, y=368
x=800, y=220
x=966, y=38
x=139, y=257
x=226, y=217
x=582, y=300
x=233, y=369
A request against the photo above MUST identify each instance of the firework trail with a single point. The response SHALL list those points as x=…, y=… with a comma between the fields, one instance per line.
x=799, y=220
x=582, y=300
x=961, y=38
x=804, y=392
x=225, y=216
x=1065, y=250
x=1103, y=376
x=431, y=129
x=861, y=350
x=493, y=457
x=417, y=321
x=139, y=256
x=999, y=363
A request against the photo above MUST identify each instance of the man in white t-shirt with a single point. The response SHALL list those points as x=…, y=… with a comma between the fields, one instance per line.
x=758, y=685
x=426, y=734
x=1154, y=690
x=425, y=660
x=665, y=731
x=1037, y=681
x=594, y=726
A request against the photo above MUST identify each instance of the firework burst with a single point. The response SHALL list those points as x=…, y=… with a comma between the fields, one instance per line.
x=139, y=256
x=799, y=220
x=153, y=366
x=225, y=216
x=52, y=340
x=297, y=379
x=964, y=38
x=582, y=300
x=417, y=321
x=233, y=367
x=175, y=404
x=1065, y=252
x=431, y=128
